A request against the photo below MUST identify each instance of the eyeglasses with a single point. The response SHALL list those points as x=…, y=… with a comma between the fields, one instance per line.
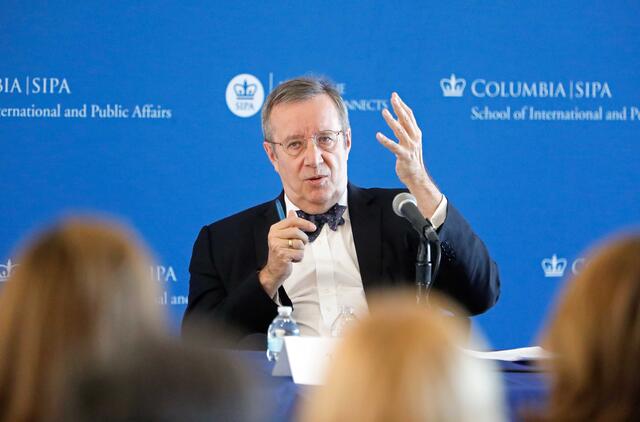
x=325, y=140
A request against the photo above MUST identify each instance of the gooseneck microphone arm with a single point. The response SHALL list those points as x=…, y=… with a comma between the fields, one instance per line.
x=405, y=205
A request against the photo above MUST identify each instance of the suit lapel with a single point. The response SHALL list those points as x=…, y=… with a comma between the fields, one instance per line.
x=261, y=230
x=366, y=226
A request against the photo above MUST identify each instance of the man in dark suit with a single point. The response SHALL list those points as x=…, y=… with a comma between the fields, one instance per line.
x=337, y=241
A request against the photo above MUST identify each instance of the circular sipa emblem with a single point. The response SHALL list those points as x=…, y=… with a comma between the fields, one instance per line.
x=245, y=95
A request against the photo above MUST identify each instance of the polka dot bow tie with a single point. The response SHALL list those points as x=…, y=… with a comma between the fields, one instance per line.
x=333, y=218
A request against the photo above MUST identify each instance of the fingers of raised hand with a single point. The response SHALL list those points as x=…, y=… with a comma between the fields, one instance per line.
x=408, y=113
x=406, y=117
x=398, y=129
x=391, y=145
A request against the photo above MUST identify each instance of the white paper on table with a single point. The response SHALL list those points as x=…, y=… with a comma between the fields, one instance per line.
x=305, y=359
x=512, y=355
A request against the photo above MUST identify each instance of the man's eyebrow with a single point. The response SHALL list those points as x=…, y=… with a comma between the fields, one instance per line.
x=290, y=137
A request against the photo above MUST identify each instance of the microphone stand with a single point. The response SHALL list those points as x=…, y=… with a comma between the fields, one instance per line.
x=426, y=271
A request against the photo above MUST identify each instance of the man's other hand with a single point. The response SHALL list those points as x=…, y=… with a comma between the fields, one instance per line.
x=286, y=239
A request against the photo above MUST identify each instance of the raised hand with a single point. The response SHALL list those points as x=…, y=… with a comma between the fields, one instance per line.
x=410, y=166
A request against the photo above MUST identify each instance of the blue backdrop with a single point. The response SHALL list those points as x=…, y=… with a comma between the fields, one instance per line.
x=124, y=108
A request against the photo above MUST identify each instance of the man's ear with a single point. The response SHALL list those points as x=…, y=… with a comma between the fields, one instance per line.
x=271, y=153
x=347, y=141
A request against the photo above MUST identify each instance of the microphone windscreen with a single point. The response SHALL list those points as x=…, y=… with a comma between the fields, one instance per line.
x=400, y=199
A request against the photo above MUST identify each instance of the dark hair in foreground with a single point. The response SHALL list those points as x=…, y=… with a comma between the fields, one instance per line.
x=595, y=336
x=82, y=289
x=162, y=382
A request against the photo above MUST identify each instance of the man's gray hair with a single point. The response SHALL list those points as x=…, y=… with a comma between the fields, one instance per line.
x=300, y=89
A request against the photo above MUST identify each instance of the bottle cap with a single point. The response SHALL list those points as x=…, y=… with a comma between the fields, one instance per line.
x=285, y=310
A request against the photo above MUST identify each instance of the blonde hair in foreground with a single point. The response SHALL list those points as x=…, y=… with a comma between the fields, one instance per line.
x=405, y=363
x=82, y=289
x=595, y=335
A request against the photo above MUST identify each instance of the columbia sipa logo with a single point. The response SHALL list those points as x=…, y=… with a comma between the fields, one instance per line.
x=244, y=95
x=5, y=270
x=487, y=88
x=452, y=87
x=554, y=266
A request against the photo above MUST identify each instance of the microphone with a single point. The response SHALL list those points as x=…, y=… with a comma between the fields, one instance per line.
x=405, y=205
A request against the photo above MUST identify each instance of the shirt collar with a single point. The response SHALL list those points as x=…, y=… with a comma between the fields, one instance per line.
x=290, y=206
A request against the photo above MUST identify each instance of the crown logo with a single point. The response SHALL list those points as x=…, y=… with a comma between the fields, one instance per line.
x=245, y=90
x=5, y=270
x=554, y=267
x=452, y=87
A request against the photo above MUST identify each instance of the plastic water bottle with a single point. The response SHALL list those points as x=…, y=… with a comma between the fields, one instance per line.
x=282, y=325
x=344, y=321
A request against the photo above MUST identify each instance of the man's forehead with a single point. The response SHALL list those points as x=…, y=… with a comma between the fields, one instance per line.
x=299, y=117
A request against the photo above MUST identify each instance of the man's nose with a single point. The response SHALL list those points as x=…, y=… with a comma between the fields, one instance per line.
x=312, y=154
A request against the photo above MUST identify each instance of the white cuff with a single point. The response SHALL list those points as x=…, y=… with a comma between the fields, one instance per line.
x=440, y=214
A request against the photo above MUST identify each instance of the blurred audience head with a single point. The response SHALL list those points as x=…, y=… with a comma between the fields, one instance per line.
x=81, y=289
x=163, y=381
x=594, y=334
x=405, y=363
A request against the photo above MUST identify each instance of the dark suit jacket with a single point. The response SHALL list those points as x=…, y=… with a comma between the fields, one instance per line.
x=228, y=254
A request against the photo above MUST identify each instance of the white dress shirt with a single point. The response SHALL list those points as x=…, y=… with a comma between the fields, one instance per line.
x=328, y=277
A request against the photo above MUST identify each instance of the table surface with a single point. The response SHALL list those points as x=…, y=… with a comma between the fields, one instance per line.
x=524, y=384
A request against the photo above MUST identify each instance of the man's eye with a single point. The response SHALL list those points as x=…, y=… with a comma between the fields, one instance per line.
x=294, y=145
x=325, y=140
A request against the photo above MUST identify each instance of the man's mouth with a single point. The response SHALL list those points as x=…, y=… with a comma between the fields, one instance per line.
x=315, y=179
